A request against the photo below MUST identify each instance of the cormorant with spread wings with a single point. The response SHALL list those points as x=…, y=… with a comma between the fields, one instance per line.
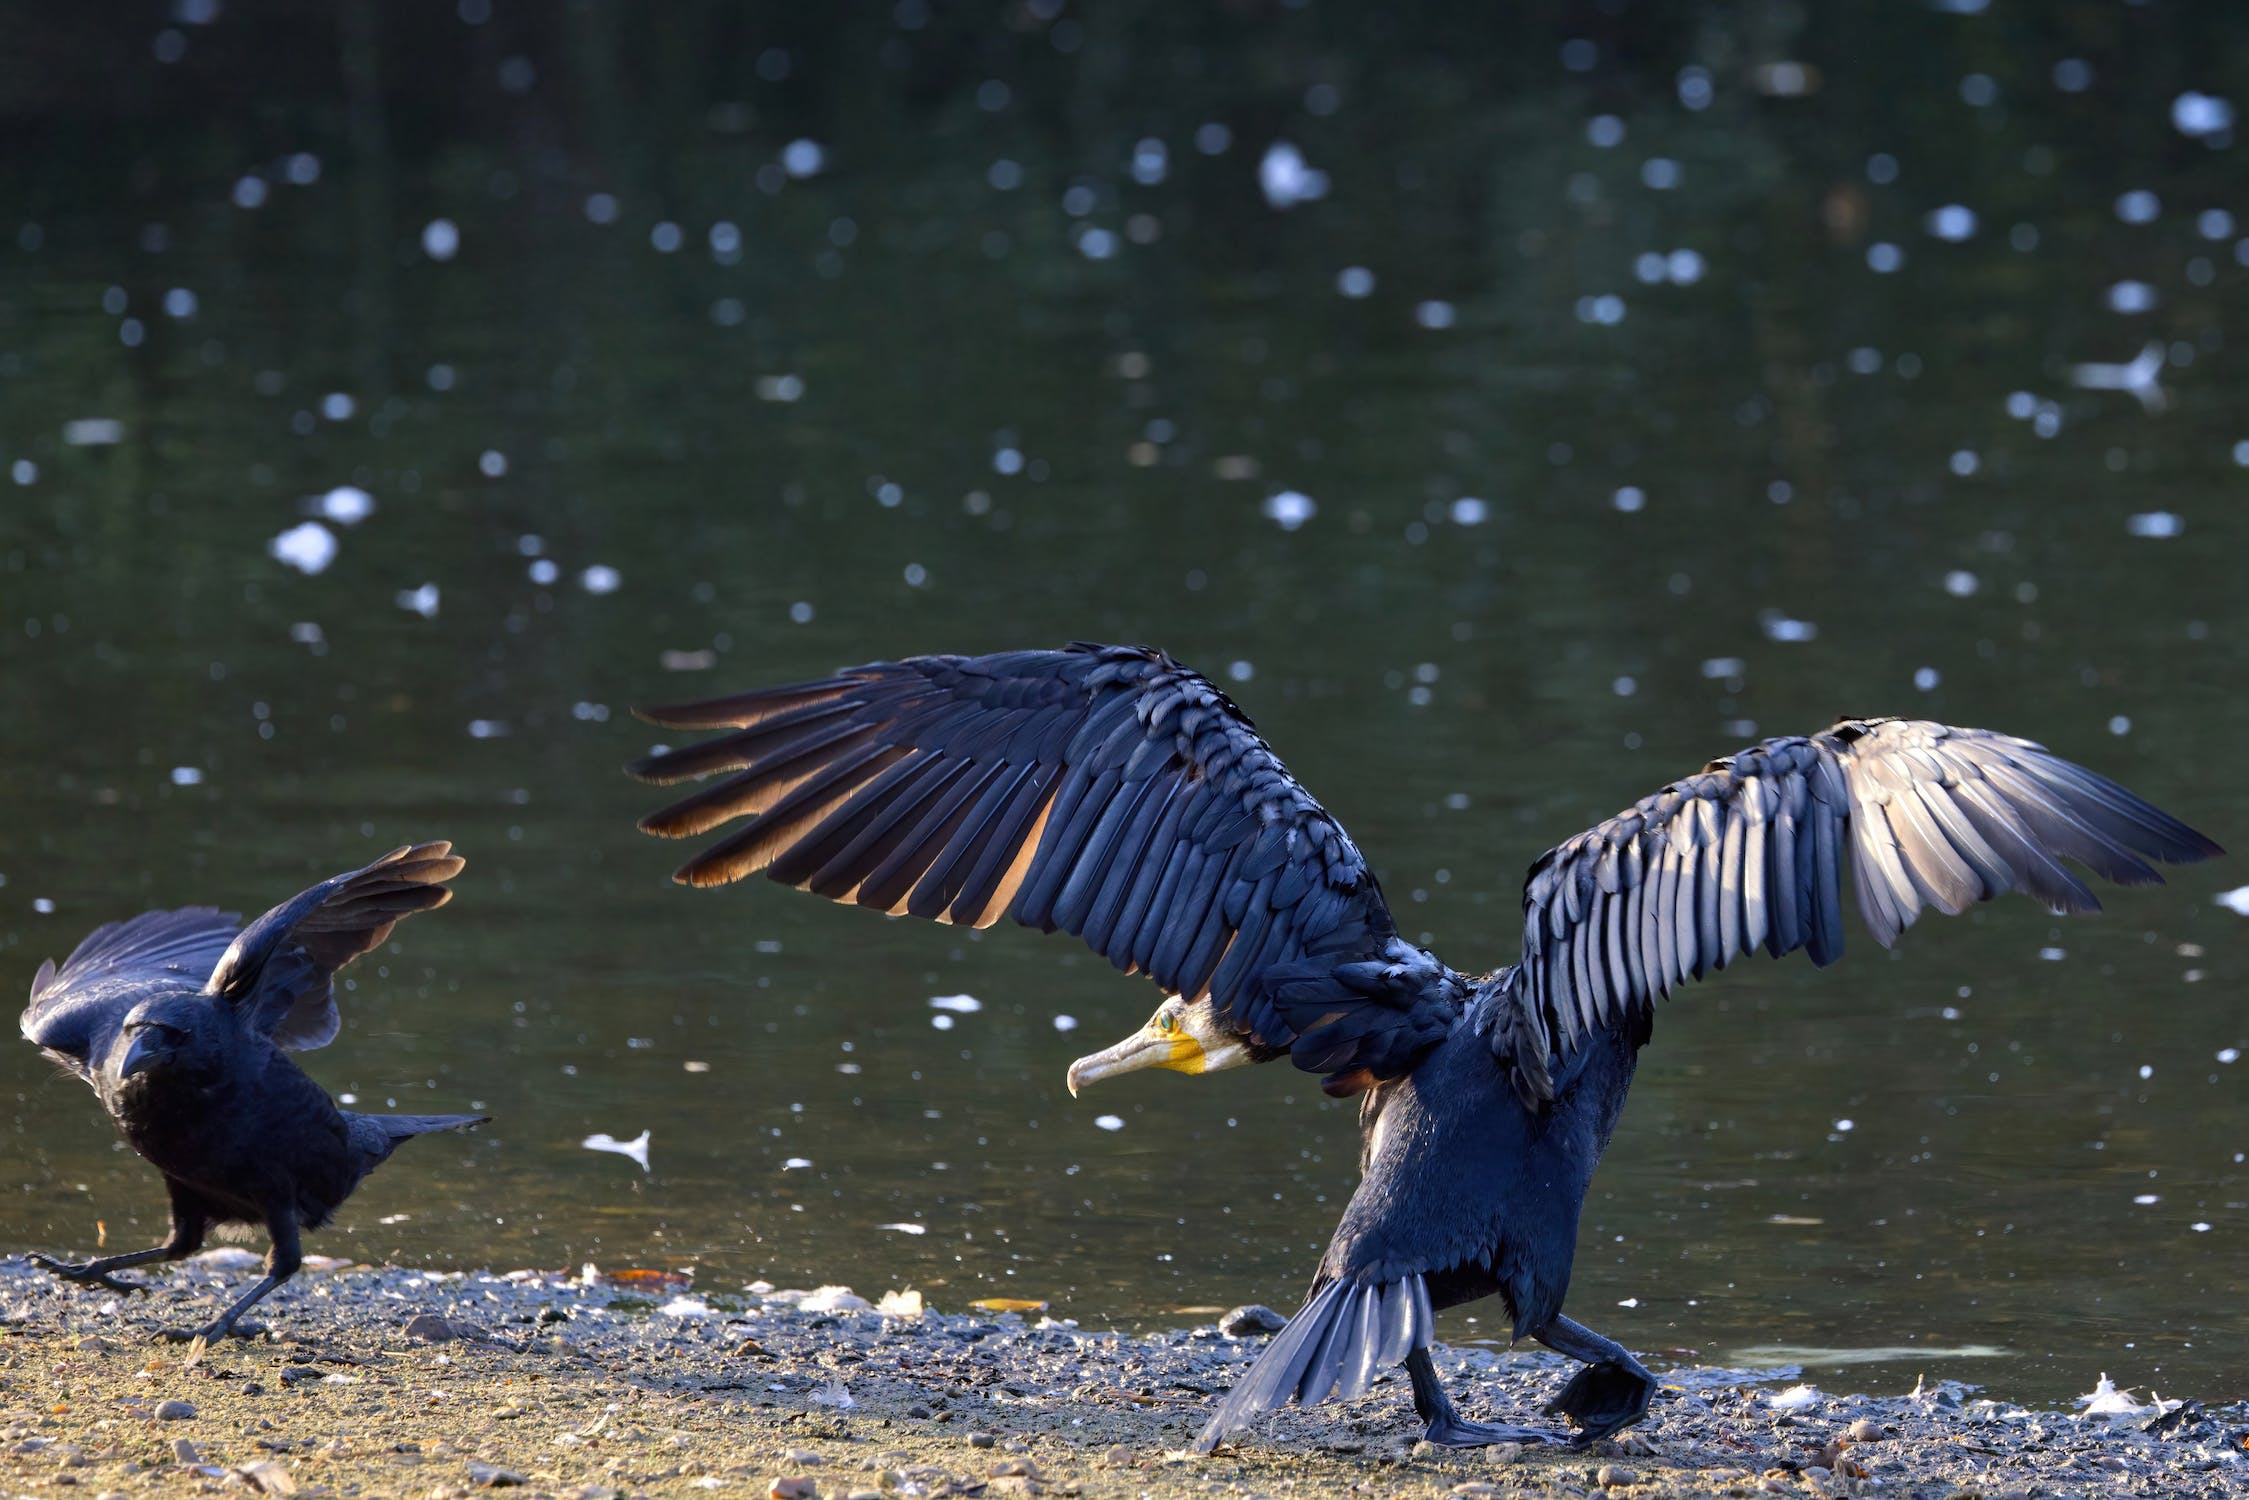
x=1111, y=793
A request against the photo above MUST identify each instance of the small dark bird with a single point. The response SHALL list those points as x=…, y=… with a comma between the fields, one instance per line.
x=183, y=1021
x=1109, y=792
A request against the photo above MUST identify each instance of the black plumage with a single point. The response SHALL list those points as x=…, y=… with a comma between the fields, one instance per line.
x=182, y=1022
x=1143, y=812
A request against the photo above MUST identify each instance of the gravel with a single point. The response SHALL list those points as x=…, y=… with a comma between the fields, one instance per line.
x=592, y=1388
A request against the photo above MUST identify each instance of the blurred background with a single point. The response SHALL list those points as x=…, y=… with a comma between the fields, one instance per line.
x=1512, y=407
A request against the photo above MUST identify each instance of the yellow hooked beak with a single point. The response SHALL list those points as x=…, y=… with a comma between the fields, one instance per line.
x=1162, y=1043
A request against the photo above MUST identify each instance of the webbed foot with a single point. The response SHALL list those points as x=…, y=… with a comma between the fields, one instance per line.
x=1452, y=1432
x=85, y=1273
x=1603, y=1398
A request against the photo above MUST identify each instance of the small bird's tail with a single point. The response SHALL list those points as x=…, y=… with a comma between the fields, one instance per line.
x=1345, y=1333
x=378, y=1135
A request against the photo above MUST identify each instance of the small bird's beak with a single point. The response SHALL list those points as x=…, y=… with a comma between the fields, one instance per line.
x=1149, y=1047
x=140, y=1055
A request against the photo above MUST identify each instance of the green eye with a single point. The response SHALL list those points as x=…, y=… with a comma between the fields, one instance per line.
x=1167, y=1022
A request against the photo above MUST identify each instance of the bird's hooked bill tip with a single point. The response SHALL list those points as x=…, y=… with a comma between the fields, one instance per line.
x=1149, y=1047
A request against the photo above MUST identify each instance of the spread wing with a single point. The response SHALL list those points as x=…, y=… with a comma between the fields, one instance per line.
x=282, y=965
x=1750, y=854
x=75, y=1010
x=1105, y=791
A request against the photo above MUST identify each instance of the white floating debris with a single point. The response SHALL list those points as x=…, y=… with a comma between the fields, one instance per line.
x=636, y=1148
x=832, y=1299
x=941, y=1021
x=1286, y=180
x=1954, y=222
x=187, y=776
x=1065, y=1023
x=346, y=505
x=2140, y=377
x=803, y=157
x=796, y=1164
x=906, y=1226
x=1779, y=627
x=1290, y=509
x=2229, y=1054
x=441, y=239
x=1629, y=1302
x=2235, y=900
x=685, y=1307
x=959, y=1005
x=1797, y=1398
x=1845, y=1127
x=308, y=547
x=2155, y=523
x=1109, y=1122
x=2138, y=206
x=600, y=579
x=421, y=601
x=2131, y=297
x=93, y=432
x=832, y=1394
x=905, y=1304
x=2201, y=115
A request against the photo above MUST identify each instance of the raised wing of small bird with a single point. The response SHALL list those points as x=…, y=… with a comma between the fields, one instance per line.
x=1750, y=854
x=75, y=1010
x=1105, y=791
x=279, y=966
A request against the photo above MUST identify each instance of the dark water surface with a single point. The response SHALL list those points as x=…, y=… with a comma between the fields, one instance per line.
x=1642, y=405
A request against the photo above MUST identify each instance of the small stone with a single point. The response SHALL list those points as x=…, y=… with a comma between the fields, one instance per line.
x=266, y=1477
x=864, y=1495
x=1476, y=1489
x=183, y=1452
x=792, y=1487
x=94, y=1343
x=1422, y=1449
x=917, y=1410
x=1615, y=1476
x=174, y=1411
x=430, y=1328
x=1864, y=1430
x=801, y=1457
x=299, y=1374
x=1250, y=1318
x=1119, y=1457
x=492, y=1476
x=1503, y=1453
x=982, y=1440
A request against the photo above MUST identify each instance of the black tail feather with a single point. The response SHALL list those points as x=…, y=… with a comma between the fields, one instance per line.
x=1345, y=1334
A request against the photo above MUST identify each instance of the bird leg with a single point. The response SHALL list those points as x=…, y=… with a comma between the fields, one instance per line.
x=185, y=1239
x=1612, y=1391
x=282, y=1261
x=1446, y=1427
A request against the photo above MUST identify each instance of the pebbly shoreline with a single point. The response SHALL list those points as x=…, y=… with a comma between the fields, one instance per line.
x=383, y=1382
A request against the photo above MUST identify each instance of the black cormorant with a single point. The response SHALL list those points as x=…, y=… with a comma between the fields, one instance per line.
x=1109, y=792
